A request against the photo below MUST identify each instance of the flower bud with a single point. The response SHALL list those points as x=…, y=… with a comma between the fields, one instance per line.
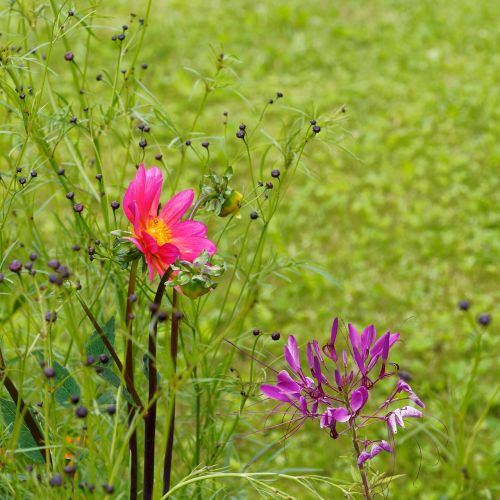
x=232, y=204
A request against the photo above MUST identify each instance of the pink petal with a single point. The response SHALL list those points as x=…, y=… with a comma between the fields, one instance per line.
x=144, y=191
x=391, y=423
x=189, y=228
x=410, y=412
x=175, y=208
x=385, y=446
x=335, y=328
x=353, y=337
x=367, y=338
x=286, y=383
x=191, y=247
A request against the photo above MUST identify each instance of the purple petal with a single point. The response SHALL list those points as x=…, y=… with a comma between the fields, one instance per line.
x=338, y=379
x=402, y=386
x=303, y=405
x=409, y=412
x=358, y=399
x=391, y=423
x=335, y=329
x=417, y=400
x=354, y=337
x=325, y=420
x=385, y=446
x=292, y=354
x=359, y=360
x=363, y=457
x=340, y=414
x=367, y=338
x=318, y=351
x=376, y=449
x=274, y=393
x=399, y=417
x=286, y=383
x=310, y=360
x=344, y=358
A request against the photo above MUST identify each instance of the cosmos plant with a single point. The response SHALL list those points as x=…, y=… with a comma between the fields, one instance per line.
x=340, y=387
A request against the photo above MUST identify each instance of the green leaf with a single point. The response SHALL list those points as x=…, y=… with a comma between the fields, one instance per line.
x=95, y=346
x=66, y=385
x=8, y=409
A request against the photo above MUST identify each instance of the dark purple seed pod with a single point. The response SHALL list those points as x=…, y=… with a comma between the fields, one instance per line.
x=60, y=171
x=153, y=307
x=98, y=177
x=275, y=173
x=205, y=144
x=225, y=113
x=131, y=316
x=147, y=129
x=53, y=263
x=50, y=316
x=56, y=280
x=71, y=13
x=254, y=215
x=188, y=143
x=240, y=134
x=81, y=412
x=113, y=38
x=63, y=271
x=33, y=173
x=256, y=332
x=29, y=468
x=49, y=372
x=28, y=266
x=271, y=101
x=78, y=207
x=275, y=335
x=22, y=96
x=33, y=256
x=132, y=298
x=143, y=143
x=99, y=369
x=144, y=66
x=76, y=248
x=464, y=305
x=141, y=126
x=78, y=285
x=98, y=77
x=115, y=205
x=260, y=183
x=74, y=119
x=242, y=126
x=22, y=180
x=158, y=157
x=484, y=319
x=312, y=121
x=70, y=469
x=269, y=185
x=91, y=250
x=19, y=170
x=103, y=358
x=279, y=95
x=316, y=129
x=108, y=488
x=2, y=277
x=89, y=361
x=124, y=27
x=56, y=480
x=121, y=37
x=111, y=410
x=69, y=56
x=70, y=195
x=162, y=316
x=97, y=242
x=15, y=266
x=75, y=399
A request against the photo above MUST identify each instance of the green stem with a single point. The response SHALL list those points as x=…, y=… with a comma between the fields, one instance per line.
x=362, y=473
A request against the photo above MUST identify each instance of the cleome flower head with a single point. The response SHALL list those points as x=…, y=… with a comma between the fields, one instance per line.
x=161, y=235
x=339, y=386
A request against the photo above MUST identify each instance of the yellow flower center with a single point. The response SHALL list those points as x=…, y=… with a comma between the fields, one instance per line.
x=159, y=231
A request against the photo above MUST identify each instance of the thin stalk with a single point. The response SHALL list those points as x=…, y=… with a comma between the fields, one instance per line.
x=362, y=473
x=114, y=355
x=174, y=339
x=129, y=369
x=150, y=416
x=24, y=411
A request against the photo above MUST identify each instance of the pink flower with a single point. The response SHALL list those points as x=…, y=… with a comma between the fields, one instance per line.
x=162, y=237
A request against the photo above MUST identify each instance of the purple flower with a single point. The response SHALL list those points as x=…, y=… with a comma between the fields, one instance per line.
x=338, y=391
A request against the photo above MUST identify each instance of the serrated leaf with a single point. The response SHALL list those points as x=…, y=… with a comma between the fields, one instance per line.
x=66, y=385
x=8, y=409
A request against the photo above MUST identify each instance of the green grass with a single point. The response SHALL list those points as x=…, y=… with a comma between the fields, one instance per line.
x=394, y=207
